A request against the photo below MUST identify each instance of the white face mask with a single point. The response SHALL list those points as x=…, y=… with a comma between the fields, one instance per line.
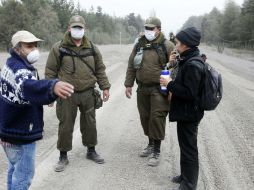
x=33, y=56
x=150, y=35
x=77, y=33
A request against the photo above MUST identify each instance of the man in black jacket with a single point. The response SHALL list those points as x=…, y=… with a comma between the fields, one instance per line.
x=184, y=107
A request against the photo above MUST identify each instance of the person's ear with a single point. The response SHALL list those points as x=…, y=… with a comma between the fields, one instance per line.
x=157, y=31
x=16, y=49
x=185, y=47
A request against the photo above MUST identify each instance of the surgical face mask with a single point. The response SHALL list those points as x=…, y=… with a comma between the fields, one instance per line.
x=150, y=35
x=33, y=56
x=77, y=33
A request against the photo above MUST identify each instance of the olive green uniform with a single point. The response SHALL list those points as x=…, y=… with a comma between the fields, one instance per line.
x=153, y=106
x=73, y=70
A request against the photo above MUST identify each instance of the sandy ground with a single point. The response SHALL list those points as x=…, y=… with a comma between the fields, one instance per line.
x=226, y=142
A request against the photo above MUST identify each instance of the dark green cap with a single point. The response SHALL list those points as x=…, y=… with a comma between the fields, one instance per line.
x=77, y=21
x=153, y=22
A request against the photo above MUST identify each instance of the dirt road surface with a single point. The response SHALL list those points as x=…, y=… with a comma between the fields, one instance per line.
x=226, y=137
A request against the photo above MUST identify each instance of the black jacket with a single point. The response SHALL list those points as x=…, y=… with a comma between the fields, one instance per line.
x=186, y=89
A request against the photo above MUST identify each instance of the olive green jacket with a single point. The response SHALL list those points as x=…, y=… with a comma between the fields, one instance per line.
x=152, y=62
x=73, y=70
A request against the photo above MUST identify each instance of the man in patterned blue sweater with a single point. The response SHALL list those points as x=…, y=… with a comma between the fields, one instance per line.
x=22, y=95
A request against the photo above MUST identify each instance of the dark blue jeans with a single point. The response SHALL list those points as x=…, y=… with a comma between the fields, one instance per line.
x=21, y=165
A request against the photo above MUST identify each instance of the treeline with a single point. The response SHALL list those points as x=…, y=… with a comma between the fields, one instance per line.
x=48, y=19
x=232, y=27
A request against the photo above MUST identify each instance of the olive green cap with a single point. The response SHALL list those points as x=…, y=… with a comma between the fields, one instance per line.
x=77, y=21
x=153, y=22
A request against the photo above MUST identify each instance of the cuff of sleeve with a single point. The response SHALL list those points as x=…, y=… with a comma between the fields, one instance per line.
x=105, y=87
x=170, y=86
x=128, y=84
x=52, y=94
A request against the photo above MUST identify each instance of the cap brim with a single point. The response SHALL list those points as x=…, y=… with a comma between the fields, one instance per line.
x=150, y=25
x=30, y=40
x=77, y=24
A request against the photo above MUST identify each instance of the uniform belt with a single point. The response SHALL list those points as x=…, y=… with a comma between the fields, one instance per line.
x=80, y=91
x=148, y=84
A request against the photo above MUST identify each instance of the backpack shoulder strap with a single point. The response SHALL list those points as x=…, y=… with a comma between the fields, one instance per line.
x=164, y=49
x=63, y=52
x=67, y=52
x=196, y=58
x=201, y=58
x=140, y=43
x=60, y=55
x=162, y=52
x=137, y=47
x=161, y=45
x=92, y=48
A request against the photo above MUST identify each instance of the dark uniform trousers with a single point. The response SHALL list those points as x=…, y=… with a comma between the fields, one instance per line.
x=153, y=109
x=187, y=137
x=66, y=110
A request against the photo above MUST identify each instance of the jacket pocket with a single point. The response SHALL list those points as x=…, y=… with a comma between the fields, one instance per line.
x=68, y=65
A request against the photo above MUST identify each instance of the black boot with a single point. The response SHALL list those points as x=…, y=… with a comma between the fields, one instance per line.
x=92, y=155
x=63, y=162
x=151, y=141
x=177, y=179
x=154, y=158
x=148, y=150
x=190, y=171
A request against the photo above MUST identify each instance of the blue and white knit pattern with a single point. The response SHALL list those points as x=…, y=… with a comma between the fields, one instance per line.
x=11, y=83
x=21, y=98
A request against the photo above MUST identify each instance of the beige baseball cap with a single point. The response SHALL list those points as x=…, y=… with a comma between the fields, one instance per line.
x=24, y=36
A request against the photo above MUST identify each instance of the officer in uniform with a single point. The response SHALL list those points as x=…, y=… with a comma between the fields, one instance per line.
x=172, y=37
x=75, y=59
x=148, y=57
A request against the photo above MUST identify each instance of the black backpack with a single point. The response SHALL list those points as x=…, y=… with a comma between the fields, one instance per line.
x=211, y=92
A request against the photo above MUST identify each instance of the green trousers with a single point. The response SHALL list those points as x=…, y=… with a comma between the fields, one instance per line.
x=66, y=111
x=153, y=109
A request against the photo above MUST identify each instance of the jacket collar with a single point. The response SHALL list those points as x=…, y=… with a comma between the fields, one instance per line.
x=143, y=41
x=68, y=43
x=189, y=54
x=20, y=59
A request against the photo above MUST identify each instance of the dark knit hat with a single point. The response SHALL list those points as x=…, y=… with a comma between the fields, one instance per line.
x=189, y=36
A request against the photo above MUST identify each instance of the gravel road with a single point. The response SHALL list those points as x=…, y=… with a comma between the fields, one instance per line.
x=226, y=137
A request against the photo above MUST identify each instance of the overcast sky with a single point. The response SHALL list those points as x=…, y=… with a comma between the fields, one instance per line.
x=173, y=13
